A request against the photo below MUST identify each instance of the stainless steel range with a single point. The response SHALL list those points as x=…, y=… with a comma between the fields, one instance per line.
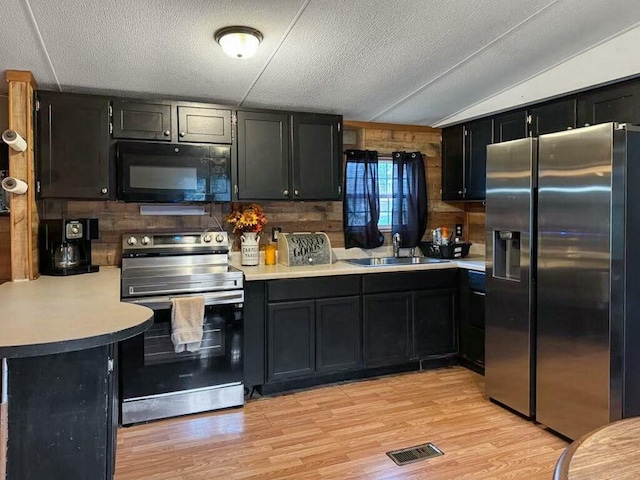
x=156, y=382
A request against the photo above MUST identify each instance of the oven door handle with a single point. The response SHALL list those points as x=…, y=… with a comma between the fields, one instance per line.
x=218, y=298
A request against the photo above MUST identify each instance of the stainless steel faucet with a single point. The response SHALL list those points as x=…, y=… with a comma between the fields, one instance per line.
x=397, y=238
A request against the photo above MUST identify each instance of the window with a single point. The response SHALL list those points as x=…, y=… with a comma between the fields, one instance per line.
x=385, y=191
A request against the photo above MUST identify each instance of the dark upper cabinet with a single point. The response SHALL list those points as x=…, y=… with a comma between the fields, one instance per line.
x=204, y=125
x=263, y=156
x=387, y=329
x=137, y=120
x=291, y=340
x=284, y=156
x=510, y=126
x=615, y=103
x=316, y=156
x=477, y=136
x=338, y=337
x=553, y=117
x=464, y=160
x=453, y=163
x=73, y=146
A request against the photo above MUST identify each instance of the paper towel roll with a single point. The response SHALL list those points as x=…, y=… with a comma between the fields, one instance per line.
x=14, y=140
x=13, y=185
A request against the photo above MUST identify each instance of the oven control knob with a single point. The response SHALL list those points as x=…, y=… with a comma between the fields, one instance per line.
x=132, y=241
x=207, y=238
x=145, y=240
x=219, y=238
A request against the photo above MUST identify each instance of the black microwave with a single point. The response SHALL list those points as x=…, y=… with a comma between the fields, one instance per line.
x=152, y=172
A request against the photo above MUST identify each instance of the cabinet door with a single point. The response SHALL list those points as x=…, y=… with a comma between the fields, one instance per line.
x=434, y=326
x=616, y=103
x=204, y=125
x=510, y=126
x=263, y=156
x=254, y=333
x=387, y=329
x=291, y=334
x=59, y=406
x=477, y=136
x=338, y=338
x=316, y=157
x=141, y=121
x=73, y=146
x=453, y=163
x=471, y=333
x=553, y=117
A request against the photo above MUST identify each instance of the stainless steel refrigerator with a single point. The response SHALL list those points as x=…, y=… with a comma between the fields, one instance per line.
x=563, y=276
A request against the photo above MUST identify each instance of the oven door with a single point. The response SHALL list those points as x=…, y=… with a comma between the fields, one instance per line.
x=150, y=172
x=149, y=365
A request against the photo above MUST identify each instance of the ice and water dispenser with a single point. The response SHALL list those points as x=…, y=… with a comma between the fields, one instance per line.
x=506, y=255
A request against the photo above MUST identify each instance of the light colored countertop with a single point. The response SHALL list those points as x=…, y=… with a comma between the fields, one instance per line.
x=341, y=267
x=59, y=314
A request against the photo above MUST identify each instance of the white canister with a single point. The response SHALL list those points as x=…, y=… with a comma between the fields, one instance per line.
x=250, y=248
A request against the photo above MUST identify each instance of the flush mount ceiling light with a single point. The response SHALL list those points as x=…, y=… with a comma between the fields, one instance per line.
x=238, y=42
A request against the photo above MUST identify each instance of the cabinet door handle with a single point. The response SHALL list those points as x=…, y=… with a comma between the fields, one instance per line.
x=285, y=193
x=167, y=133
x=104, y=191
x=182, y=134
x=296, y=192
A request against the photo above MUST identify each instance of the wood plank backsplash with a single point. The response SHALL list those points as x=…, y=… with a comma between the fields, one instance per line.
x=117, y=218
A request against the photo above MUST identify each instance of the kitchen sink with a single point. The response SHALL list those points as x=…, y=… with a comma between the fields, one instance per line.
x=387, y=261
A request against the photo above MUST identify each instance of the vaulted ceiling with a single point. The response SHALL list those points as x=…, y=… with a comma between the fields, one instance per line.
x=403, y=61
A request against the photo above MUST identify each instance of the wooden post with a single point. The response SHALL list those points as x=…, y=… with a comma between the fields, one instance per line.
x=24, y=212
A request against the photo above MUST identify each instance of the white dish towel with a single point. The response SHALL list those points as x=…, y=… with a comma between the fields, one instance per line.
x=187, y=319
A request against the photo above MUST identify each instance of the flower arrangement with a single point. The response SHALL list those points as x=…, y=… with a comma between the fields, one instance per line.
x=247, y=218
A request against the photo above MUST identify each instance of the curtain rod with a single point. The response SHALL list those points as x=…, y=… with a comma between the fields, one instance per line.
x=381, y=154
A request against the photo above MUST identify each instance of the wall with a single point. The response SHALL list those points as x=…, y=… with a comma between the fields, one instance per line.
x=117, y=218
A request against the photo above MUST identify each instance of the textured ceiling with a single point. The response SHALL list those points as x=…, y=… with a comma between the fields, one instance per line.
x=401, y=61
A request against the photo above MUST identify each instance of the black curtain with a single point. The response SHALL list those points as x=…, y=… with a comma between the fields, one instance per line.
x=409, y=210
x=361, y=202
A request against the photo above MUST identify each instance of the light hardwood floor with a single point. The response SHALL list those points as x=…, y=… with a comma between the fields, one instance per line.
x=343, y=431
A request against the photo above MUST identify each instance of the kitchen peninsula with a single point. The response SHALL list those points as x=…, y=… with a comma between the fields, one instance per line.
x=57, y=344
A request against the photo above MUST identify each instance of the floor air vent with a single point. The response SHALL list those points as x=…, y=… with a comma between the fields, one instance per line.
x=415, y=454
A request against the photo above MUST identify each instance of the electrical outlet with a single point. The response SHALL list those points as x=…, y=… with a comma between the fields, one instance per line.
x=459, y=230
x=274, y=233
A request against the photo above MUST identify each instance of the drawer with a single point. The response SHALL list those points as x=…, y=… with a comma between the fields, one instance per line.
x=476, y=280
x=406, y=281
x=318, y=287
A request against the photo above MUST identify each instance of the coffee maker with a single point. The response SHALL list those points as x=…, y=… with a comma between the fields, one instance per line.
x=65, y=246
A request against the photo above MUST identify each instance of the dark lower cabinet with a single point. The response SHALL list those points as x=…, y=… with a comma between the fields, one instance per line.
x=254, y=333
x=472, y=311
x=61, y=418
x=434, y=325
x=386, y=329
x=338, y=336
x=291, y=340
x=73, y=146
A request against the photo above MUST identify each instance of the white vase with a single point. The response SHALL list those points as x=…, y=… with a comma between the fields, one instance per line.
x=250, y=248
